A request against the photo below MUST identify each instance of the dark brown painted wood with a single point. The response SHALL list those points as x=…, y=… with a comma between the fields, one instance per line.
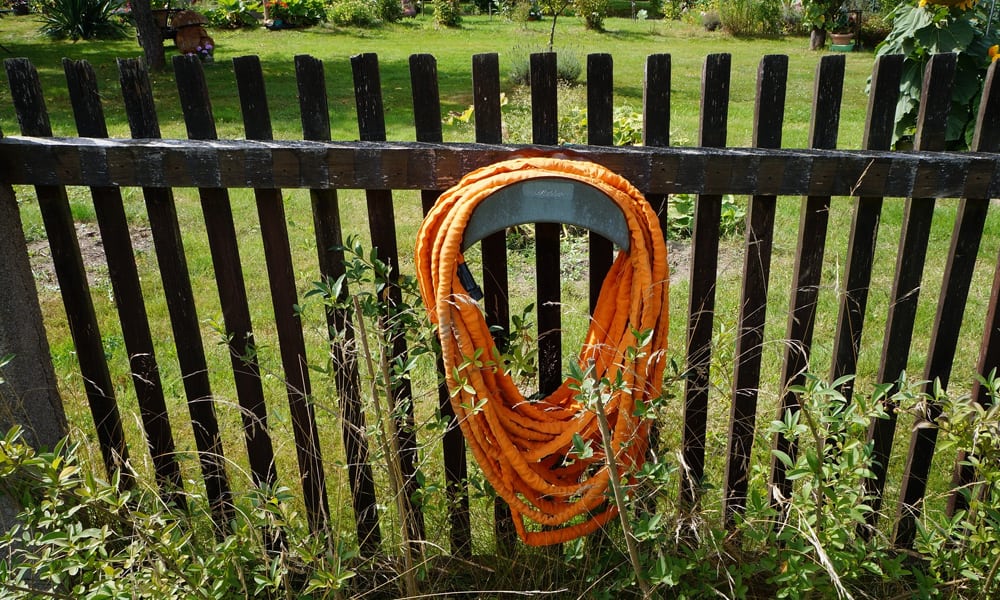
x=772, y=76
x=137, y=94
x=32, y=114
x=917, y=215
x=417, y=165
x=315, y=116
x=986, y=139
x=116, y=239
x=959, y=267
x=382, y=228
x=548, y=282
x=427, y=121
x=284, y=300
x=886, y=75
x=704, y=262
x=489, y=130
x=600, y=132
x=656, y=120
x=808, y=268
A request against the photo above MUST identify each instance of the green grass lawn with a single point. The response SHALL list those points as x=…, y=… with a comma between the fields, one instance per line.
x=629, y=42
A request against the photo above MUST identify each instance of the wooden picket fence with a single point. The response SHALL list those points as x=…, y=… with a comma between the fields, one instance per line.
x=322, y=166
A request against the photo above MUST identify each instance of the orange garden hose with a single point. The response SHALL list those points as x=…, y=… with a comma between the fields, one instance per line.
x=525, y=447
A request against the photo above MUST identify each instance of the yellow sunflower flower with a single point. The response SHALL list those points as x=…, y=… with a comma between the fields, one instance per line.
x=963, y=4
x=994, y=52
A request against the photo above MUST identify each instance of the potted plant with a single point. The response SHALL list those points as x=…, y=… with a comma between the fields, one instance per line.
x=820, y=16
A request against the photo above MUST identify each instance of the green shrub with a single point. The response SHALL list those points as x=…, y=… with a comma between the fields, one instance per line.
x=568, y=66
x=751, y=17
x=592, y=12
x=297, y=13
x=353, y=13
x=234, y=14
x=447, y=13
x=82, y=19
x=390, y=11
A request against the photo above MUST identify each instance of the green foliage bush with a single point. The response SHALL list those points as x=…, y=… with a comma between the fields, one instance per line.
x=234, y=14
x=297, y=13
x=921, y=31
x=82, y=19
x=592, y=12
x=569, y=67
x=353, y=13
x=447, y=13
x=751, y=17
x=390, y=11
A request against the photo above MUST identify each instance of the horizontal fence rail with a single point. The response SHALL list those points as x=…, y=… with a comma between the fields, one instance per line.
x=380, y=167
x=420, y=165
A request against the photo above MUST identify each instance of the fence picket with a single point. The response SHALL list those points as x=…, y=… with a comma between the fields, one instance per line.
x=656, y=120
x=116, y=239
x=489, y=130
x=315, y=116
x=548, y=281
x=704, y=262
x=137, y=94
x=772, y=76
x=29, y=104
x=427, y=120
x=600, y=132
x=382, y=226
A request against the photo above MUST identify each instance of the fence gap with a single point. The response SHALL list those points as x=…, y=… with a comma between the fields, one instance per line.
x=137, y=94
x=284, y=299
x=986, y=139
x=958, y=271
x=861, y=244
x=813, y=220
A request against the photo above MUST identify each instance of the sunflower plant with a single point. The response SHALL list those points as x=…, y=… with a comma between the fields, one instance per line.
x=921, y=29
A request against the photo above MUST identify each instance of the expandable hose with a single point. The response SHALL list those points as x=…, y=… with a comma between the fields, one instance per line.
x=525, y=447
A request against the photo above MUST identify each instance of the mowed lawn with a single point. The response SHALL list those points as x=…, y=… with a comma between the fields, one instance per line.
x=629, y=42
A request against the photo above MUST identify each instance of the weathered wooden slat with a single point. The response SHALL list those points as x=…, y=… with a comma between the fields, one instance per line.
x=489, y=130
x=29, y=104
x=886, y=75
x=656, y=121
x=427, y=120
x=315, y=116
x=600, y=132
x=548, y=282
x=284, y=299
x=813, y=221
x=986, y=139
x=416, y=165
x=382, y=227
x=116, y=239
x=918, y=211
x=772, y=76
x=704, y=262
x=959, y=266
